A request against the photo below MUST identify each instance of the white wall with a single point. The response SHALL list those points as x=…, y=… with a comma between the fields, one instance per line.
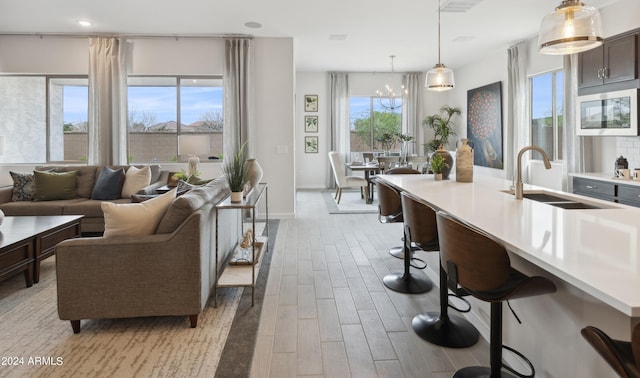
x=274, y=121
x=274, y=87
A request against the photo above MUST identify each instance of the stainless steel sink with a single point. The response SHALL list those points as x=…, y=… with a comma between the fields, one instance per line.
x=553, y=199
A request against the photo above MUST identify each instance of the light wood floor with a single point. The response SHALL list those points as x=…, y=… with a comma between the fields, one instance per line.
x=326, y=312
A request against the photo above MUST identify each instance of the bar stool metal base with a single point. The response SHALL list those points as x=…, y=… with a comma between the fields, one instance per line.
x=453, y=332
x=397, y=252
x=407, y=283
x=480, y=372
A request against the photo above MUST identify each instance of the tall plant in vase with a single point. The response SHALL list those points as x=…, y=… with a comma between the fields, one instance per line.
x=237, y=172
x=442, y=126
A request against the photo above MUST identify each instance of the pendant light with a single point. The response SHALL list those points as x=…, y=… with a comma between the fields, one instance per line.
x=573, y=27
x=439, y=78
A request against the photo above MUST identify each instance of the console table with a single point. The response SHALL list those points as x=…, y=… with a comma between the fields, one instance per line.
x=27, y=240
x=228, y=275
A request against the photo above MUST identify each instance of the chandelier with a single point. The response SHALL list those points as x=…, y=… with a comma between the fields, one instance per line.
x=388, y=98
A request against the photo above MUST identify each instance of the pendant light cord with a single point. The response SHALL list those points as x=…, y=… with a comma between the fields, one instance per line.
x=439, y=32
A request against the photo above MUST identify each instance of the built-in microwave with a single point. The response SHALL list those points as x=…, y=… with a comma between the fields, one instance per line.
x=610, y=113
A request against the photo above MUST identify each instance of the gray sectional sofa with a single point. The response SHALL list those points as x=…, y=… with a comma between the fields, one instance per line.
x=171, y=272
x=93, y=220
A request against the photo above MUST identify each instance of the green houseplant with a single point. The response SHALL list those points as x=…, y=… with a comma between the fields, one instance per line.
x=442, y=126
x=438, y=163
x=236, y=170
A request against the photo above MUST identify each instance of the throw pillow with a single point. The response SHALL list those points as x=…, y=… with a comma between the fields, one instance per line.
x=135, y=179
x=23, y=186
x=54, y=185
x=135, y=219
x=108, y=185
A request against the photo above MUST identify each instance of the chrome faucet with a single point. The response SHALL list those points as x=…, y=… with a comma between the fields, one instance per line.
x=547, y=165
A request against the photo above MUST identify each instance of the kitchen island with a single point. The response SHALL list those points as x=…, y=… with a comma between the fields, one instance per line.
x=592, y=255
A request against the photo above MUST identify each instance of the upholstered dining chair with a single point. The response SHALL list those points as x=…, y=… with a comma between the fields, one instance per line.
x=387, y=162
x=344, y=181
x=419, y=163
x=622, y=356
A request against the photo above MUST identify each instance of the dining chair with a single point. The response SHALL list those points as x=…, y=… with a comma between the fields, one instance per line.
x=419, y=163
x=344, y=181
x=387, y=162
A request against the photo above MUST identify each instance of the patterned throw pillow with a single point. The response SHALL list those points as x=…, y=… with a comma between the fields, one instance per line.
x=23, y=186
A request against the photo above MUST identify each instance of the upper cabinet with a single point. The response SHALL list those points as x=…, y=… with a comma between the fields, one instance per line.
x=612, y=66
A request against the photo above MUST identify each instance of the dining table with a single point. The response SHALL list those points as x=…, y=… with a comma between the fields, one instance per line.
x=370, y=170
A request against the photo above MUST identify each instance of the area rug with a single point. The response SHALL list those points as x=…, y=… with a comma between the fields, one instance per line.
x=34, y=342
x=350, y=203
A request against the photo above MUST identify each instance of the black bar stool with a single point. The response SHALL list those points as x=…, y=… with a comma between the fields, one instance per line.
x=622, y=356
x=419, y=231
x=389, y=205
x=481, y=266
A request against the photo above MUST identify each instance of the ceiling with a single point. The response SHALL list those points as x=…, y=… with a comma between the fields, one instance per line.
x=374, y=29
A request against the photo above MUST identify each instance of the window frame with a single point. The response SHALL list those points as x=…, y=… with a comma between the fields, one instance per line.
x=558, y=153
x=178, y=96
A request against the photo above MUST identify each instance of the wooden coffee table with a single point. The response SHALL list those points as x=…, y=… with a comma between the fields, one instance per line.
x=27, y=240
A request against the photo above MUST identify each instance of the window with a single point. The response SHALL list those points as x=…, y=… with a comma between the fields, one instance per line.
x=32, y=137
x=172, y=118
x=547, y=114
x=371, y=119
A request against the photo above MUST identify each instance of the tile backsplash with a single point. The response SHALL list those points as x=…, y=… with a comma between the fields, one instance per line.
x=629, y=147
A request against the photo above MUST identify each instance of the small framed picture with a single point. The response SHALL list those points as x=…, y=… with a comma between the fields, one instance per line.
x=311, y=103
x=311, y=124
x=311, y=144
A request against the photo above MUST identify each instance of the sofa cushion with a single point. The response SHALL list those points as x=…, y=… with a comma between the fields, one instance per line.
x=134, y=180
x=90, y=208
x=23, y=186
x=54, y=185
x=187, y=203
x=135, y=219
x=54, y=207
x=109, y=184
x=85, y=179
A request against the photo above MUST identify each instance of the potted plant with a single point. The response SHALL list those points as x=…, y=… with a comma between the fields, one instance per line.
x=442, y=127
x=404, y=139
x=387, y=140
x=438, y=163
x=237, y=172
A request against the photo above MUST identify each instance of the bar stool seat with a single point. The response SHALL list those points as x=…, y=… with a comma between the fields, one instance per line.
x=622, y=356
x=389, y=205
x=421, y=232
x=481, y=265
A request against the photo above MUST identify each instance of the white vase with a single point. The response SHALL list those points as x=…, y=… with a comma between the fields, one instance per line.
x=236, y=196
x=255, y=173
x=437, y=176
x=464, y=162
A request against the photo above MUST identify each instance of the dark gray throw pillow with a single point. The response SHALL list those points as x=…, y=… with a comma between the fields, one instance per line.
x=109, y=184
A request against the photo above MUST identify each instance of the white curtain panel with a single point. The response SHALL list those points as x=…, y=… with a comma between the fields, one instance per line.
x=107, y=101
x=238, y=96
x=518, y=118
x=412, y=112
x=340, y=130
x=580, y=147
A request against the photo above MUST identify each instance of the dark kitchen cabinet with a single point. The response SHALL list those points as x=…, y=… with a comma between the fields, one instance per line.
x=612, y=66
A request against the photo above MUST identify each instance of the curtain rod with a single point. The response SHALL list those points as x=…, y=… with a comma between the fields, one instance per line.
x=140, y=36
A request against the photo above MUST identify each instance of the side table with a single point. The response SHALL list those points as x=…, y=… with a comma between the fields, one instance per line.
x=245, y=275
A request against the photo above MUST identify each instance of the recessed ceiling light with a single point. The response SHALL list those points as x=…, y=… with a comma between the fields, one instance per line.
x=253, y=25
x=83, y=23
x=338, y=37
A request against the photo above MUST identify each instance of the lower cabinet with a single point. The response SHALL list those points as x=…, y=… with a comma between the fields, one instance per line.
x=627, y=194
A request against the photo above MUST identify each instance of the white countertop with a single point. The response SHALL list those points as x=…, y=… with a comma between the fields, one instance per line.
x=605, y=177
x=595, y=250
